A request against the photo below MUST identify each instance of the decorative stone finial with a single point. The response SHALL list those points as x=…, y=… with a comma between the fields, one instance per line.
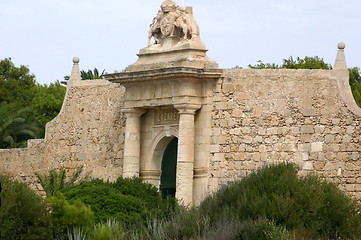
x=76, y=60
x=340, y=62
x=341, y=45
x=75, y=72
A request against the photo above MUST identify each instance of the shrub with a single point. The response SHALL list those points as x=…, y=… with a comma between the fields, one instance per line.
x=110, y=230
x=70, y=214
x=23, y=214
x=296, y=203
x=128, y=200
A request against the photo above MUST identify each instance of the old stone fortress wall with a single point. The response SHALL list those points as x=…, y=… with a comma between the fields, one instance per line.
x=227, y=122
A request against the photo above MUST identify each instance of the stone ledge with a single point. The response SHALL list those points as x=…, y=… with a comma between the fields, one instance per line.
x=162, y=73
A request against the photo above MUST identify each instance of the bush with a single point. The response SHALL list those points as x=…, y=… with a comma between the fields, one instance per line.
x=70, y=214
x=109, y=230
x=23, y=214
x=272, y=203
x=297, y=203
x=128, y=200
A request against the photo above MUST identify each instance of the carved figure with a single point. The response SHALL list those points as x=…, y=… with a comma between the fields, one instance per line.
x=154, y=30
x=174, y=22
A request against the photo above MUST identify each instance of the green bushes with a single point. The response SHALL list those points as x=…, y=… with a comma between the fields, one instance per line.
x=70, y=214
x=300, y=204
x=128, y=200
x=23, y=214
x=271, y=203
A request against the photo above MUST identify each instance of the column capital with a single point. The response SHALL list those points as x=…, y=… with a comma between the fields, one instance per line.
x=186, y=108
x=137, y=112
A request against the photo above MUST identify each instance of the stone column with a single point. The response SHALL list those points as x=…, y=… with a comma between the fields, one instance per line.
x=131, y=160
x=185, y=158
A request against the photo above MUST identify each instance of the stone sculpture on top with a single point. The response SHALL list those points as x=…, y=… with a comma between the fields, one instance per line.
x=173, y=22
x=173, y=41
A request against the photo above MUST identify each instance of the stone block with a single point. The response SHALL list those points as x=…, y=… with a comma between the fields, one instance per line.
x=317, y=147
x=304, y=147
x=329, y=138
x=305, y=138
x=309, y=112
x=308, y=165
x=307, y=129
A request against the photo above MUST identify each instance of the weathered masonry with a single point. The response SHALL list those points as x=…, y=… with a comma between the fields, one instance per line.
x=177, y=121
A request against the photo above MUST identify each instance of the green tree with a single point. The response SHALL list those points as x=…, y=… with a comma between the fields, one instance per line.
x=16, y=83
x=355, y=83
x=300, y=63
x=47, y=102
x=18, y=86
x=15, y=130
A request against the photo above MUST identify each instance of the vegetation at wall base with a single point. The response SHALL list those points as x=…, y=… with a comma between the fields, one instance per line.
x=128, y=200
x=56, y=180
x=271, y=203
x=23, y=214
x=298, y=204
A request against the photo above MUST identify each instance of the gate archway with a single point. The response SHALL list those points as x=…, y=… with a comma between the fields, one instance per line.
x=169, y=169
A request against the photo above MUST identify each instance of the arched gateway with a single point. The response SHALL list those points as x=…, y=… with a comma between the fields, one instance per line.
x=169, y=169
x=169, y=94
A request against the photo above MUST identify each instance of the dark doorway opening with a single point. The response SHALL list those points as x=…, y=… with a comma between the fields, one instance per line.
x=169, y=169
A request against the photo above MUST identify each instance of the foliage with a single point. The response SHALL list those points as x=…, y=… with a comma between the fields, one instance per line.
x=70, y=214
x=23, y=214
x=355, y=83
x=15, y=130
x=47, y=102
x=261, y=65
x=277, y=194
x=55, y=182
x=271, y=203
x=111, y=229
x=19, y=88
x=355, y=75
x=16, y=83
x=305, y=63
x=77, y=233
x=127, y=200
x=87, y=75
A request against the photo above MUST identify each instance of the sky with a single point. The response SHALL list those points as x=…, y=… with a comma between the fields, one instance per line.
x=45, y=35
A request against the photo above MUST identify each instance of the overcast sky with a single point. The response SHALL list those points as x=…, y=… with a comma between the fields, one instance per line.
x=46, y=34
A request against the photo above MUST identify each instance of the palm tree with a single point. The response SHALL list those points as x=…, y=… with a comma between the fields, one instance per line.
x=15, y=130
x=86, y=75
x=55, y=182
x=91, y=74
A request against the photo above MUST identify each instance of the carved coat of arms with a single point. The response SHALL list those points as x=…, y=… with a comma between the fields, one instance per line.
x=167, y=24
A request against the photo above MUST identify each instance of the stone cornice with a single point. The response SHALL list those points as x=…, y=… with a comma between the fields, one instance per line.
x=164, y=73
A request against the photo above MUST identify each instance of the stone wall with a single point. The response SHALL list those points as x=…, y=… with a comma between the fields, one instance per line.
x=270, y=116
x=88, y=131
x=257, y=117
